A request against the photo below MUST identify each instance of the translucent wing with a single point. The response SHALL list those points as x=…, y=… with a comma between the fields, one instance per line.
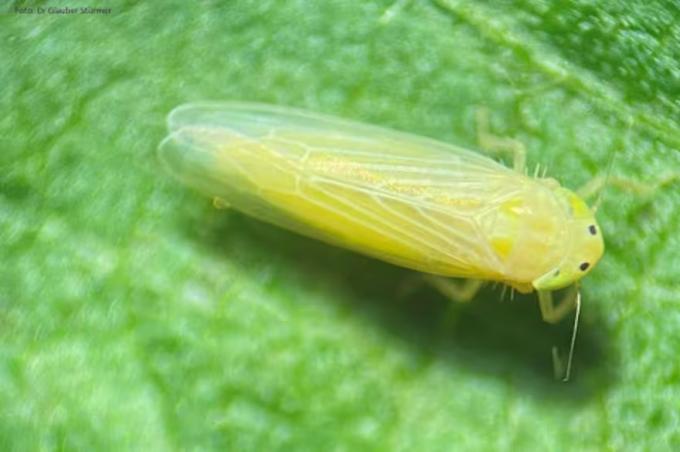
x=405, y=199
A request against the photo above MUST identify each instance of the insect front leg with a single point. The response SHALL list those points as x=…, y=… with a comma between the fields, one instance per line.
x=461, y=292
x=498, y=145
x=552, y=313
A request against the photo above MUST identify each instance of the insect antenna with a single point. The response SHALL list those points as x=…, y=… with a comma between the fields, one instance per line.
x=607, y=174
x=598, y=200
x=567, y=373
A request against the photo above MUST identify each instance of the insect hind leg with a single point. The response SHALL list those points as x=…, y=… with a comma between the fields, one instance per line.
x=494, y=144
x=460, y=292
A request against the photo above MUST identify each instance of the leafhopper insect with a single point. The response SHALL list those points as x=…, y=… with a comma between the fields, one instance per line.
x=408, y=200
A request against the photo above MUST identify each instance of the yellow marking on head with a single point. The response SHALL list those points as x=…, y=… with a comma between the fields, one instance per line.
x=579, y=208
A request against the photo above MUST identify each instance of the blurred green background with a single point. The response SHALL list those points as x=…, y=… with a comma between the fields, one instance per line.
x=135, y=316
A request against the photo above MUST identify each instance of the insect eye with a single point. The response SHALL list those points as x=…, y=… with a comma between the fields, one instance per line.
x=592, y=229
x=584, y=266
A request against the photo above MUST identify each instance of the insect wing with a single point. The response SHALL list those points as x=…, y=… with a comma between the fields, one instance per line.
x=405, y=199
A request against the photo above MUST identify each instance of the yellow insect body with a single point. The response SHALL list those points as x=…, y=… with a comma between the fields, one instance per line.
x=408, y=200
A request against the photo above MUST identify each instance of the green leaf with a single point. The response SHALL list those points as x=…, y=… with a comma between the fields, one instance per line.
x=136, y=316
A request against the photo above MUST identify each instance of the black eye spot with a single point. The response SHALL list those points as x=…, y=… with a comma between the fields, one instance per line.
x=592, y=229
x=584, y=266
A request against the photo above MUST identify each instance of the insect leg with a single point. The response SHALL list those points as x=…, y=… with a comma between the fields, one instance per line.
x=593, y=187
x=497, y=145
x=457, y=291
x=546, y=306
x=552, y=313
